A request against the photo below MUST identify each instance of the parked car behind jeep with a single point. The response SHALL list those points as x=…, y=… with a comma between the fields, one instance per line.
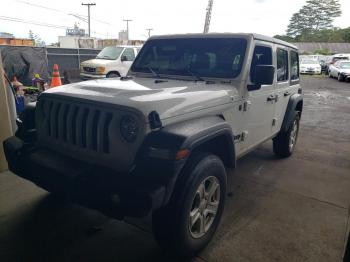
x=112, y=61
x=340, y=70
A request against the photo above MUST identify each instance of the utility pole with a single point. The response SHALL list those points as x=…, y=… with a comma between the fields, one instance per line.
x=89, y=5
x=208, y=17
x=149, y=31
x=127, y=26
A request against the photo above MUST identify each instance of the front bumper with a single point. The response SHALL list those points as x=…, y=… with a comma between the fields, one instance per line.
x=116, y=195
x=346, y=76
x=308, y=71
x=86, y=76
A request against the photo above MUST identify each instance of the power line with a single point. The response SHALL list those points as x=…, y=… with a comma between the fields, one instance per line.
x=62, y=12
x=19, y=20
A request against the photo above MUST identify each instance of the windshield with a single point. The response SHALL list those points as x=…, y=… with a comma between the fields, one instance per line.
x=193, y=57
x=110, y=52
x=345, y=65
x=309, y=62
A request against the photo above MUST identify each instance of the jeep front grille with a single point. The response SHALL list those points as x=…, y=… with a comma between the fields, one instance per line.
x=86, y=130
x=80, y=125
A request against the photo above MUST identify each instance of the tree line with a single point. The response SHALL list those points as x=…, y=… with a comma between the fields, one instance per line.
x=314, y=23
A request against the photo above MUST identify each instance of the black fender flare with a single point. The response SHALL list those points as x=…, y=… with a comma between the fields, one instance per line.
x=194, y=135
x=295, y=104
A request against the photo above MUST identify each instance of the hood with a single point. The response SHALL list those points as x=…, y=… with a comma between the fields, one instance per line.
x=345, y=71
x=169, y=98
x=96, y=62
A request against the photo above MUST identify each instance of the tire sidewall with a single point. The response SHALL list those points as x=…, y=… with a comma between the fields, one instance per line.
x=297, y=120
x=112, y=75
x=209, y=165
x=340, y=78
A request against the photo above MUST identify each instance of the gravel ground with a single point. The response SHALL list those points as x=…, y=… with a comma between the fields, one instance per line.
x=294, y=209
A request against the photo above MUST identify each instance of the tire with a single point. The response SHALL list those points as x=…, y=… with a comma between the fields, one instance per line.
x=172, y=225
x=284, y=143
x=113, y=75
x=340, y=78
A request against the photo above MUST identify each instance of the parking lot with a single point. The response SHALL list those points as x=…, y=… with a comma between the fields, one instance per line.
x=294, y=209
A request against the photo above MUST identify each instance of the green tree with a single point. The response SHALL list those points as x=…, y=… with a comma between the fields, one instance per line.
x=314, y=16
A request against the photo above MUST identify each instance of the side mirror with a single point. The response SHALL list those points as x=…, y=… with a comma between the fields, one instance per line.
x=263, y=75
x=123, y=58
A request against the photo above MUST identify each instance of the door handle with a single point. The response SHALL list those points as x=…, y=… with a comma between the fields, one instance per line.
x=286, y=93
x=271, y=98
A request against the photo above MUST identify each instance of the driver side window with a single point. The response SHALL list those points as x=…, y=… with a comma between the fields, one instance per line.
x=262, y=56
x=129, y=54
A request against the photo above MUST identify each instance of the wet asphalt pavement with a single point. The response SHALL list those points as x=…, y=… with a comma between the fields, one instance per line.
x=294, y=209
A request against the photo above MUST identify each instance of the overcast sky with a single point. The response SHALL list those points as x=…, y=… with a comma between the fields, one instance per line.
x=269, y=17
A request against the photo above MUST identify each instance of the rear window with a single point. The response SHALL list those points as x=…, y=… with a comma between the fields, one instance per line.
x=294, y=64
x=282, y=65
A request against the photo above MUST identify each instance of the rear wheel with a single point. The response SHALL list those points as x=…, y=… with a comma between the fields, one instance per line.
x=284, y=143
x=189, y=222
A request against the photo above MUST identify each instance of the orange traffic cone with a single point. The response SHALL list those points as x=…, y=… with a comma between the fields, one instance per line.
x=56, y=79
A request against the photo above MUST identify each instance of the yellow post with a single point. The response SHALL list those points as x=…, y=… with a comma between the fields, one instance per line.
x=6, y=116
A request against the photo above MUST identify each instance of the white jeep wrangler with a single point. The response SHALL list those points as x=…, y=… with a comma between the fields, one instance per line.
x=158, y=141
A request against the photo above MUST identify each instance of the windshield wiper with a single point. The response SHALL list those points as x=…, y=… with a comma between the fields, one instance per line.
x=154, y=73
x=198, y=78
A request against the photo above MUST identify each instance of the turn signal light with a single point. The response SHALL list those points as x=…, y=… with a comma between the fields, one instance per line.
x=181, y=154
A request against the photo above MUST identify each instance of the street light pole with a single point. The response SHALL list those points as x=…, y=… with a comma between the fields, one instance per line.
x=127, y=27
x=89, y=5
x=149, y=31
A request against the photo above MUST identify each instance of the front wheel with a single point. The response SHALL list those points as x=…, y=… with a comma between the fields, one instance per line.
x=113, y=75
x=284, y=143
x=189, y=222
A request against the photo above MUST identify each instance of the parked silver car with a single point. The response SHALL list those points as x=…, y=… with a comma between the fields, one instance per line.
x=340, y=70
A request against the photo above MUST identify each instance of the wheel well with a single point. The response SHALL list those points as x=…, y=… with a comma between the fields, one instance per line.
x=113, y=72
x=221, y=146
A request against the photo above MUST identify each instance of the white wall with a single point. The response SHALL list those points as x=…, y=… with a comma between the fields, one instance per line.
x=77, y=42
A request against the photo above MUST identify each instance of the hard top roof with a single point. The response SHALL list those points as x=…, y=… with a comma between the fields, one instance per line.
x=227, y=35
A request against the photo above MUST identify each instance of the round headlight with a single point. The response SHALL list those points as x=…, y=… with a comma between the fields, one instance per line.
x=129, y=128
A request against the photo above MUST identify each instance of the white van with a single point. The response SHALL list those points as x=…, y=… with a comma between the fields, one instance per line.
x=112, y=61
